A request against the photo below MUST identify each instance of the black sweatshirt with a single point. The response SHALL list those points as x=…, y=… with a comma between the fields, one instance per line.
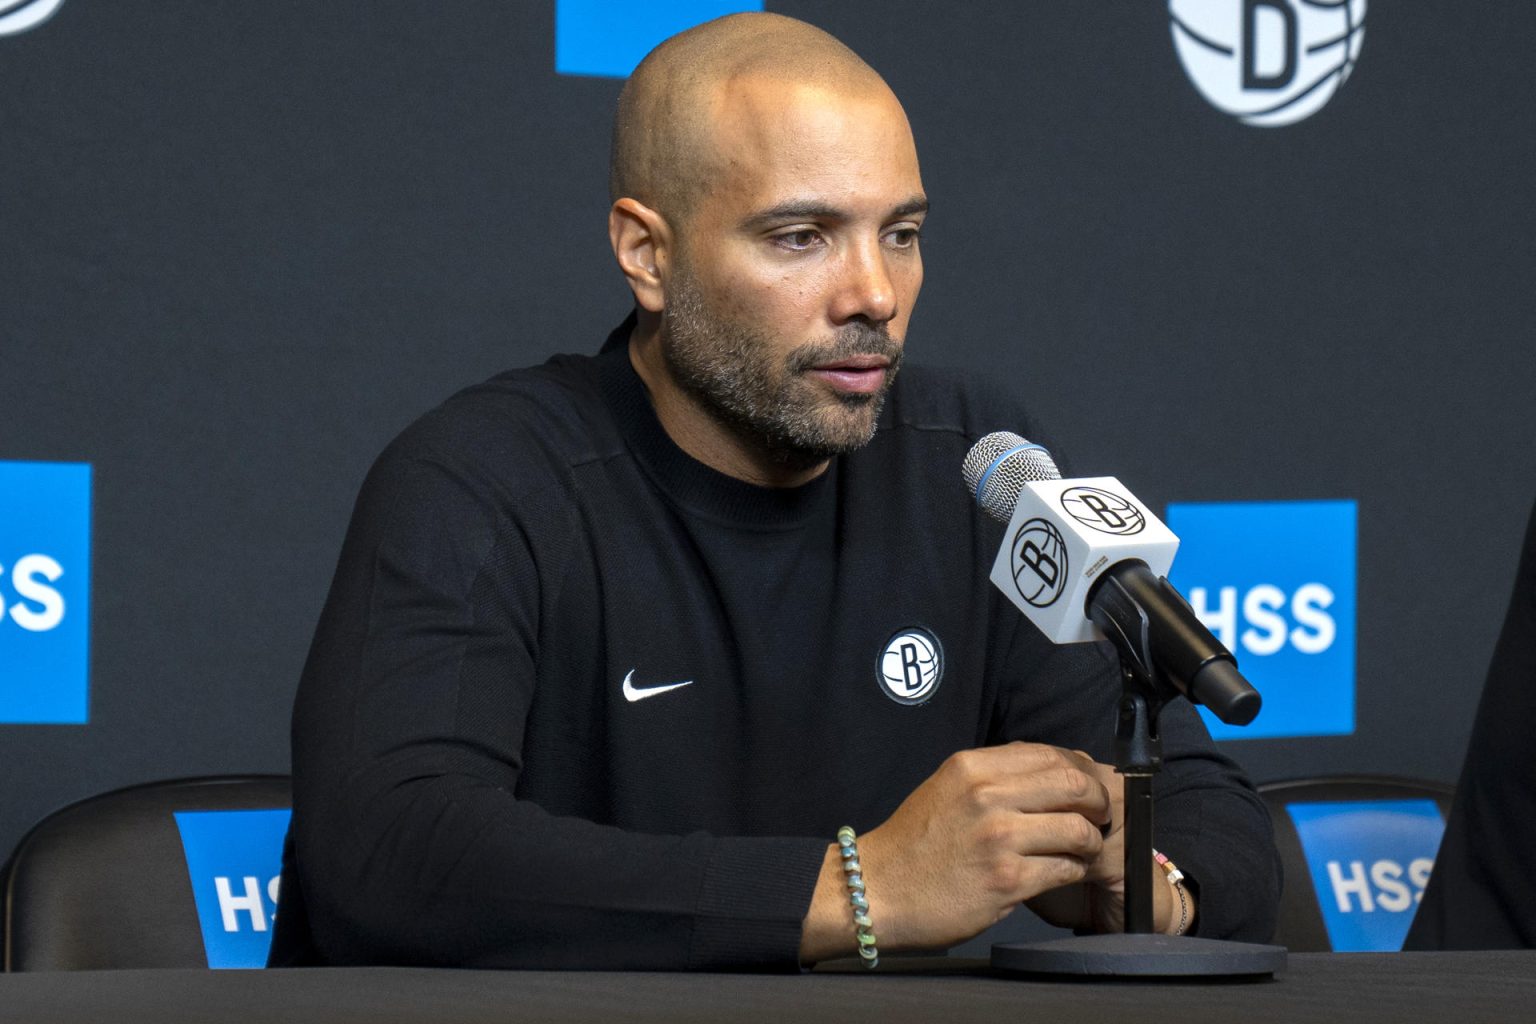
x=474, y=784
x=1482, y=894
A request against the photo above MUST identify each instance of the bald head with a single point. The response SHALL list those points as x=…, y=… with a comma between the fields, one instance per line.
x=664, y=146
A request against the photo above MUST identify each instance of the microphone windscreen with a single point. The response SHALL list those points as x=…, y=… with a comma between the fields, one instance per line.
x=999, y=465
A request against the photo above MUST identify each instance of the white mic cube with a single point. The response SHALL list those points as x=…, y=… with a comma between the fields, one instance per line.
x=1063, y=535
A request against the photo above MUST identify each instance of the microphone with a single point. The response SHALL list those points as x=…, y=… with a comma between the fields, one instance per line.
x=1084, y=560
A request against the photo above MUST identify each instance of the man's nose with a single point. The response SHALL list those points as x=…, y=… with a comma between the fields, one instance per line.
x=866, y=290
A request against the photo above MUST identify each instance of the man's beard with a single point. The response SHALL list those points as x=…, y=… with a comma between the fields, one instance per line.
x=728, y=367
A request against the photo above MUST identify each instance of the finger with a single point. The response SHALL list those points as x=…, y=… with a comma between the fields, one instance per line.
x=1114, y=785
x=1030, y=756
x=1059, y=786
x=1043, y=873
x=1032, y=777
x=1046, y=834
x=1109, y=865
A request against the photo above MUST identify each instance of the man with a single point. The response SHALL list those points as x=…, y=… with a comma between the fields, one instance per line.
x=618, y=643
x=1481, y=895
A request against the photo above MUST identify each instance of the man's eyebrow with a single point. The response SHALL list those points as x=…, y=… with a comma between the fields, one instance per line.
x=811, y=209
x=794, y=209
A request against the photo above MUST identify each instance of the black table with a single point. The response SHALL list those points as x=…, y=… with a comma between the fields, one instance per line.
x=1318, y=987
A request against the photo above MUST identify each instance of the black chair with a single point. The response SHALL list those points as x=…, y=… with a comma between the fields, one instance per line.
x=104, y=883
x=1301, y=925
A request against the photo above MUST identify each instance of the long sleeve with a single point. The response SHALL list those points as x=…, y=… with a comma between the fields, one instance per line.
x=577, y=700
x=1482, y=894
x=411, y=842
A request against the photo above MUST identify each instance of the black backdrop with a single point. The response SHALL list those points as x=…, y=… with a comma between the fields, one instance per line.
x=242, y=244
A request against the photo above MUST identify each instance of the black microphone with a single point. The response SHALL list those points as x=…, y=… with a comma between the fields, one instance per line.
x=1083, y=559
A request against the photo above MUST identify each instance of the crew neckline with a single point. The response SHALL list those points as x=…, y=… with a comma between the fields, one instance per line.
x=687, y=481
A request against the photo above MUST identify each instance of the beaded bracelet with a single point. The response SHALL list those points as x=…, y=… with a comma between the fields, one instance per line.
x=848, y=849
x=1176, y=879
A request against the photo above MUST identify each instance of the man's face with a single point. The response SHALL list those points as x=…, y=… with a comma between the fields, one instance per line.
x=793, y=279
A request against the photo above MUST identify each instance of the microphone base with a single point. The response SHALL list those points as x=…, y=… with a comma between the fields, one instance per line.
x=1140, y=956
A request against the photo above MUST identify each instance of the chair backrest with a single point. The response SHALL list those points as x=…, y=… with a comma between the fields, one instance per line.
x=179, y=873
x=1357, y=851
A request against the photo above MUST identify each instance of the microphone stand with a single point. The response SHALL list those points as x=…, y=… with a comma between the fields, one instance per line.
x=1141, y=952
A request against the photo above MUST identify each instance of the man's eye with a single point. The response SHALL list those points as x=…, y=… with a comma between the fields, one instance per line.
x=798, y=240
x=904, y=238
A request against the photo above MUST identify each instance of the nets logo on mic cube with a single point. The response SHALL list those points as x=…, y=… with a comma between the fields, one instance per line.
x=1369, y=862
x=45, y=591
x=1062, y=535
x=1275, y=582
x=235, y=860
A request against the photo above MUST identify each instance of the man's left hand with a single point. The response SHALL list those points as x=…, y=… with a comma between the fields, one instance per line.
x=1097, y=904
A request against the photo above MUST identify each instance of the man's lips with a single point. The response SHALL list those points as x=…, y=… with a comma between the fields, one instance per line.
x=856, y=375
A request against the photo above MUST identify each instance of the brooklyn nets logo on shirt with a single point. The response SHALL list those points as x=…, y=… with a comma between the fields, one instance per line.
x=911, y=666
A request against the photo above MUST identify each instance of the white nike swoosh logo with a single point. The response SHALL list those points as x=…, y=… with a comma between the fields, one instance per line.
x=633, y=693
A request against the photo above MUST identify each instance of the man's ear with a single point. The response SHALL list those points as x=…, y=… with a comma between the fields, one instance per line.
x=642, y=244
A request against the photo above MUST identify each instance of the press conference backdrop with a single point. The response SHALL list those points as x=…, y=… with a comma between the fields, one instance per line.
x=1267, y=261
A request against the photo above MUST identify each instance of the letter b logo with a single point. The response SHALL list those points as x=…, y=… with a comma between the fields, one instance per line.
x=1039, y=562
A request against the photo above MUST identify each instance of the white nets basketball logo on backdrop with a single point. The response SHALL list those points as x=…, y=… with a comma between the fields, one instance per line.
x=1268, y=62
x=20, y=15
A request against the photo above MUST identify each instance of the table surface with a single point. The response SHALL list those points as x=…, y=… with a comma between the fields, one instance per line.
x=1354, y=988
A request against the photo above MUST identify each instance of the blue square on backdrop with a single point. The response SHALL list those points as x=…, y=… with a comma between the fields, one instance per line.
x=45, y=592
x=607, y=38
x=1369, y=862
x=234, y=859
x=1275, y=582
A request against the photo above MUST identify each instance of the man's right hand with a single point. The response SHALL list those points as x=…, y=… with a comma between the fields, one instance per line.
x=990, y=829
